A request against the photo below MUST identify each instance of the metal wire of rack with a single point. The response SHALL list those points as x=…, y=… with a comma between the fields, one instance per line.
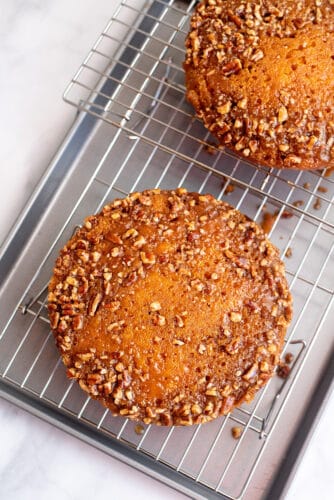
x=133, y=89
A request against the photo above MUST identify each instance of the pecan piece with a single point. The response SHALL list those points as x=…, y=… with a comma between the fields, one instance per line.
x=94, y=304
x=77, y=322
x=232, y=67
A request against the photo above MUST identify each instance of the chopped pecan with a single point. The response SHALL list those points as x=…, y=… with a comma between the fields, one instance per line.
x=232, y=67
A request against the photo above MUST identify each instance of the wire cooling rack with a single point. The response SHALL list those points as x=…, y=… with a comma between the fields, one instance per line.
x=137, y=132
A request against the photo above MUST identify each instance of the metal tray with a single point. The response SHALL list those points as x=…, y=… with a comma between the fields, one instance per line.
x=134, y=130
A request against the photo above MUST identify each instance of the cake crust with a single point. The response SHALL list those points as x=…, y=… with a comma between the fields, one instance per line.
x=169, y=307
x=260, y=76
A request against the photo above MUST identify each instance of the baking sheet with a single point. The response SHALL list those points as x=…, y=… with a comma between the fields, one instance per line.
x=125, y=143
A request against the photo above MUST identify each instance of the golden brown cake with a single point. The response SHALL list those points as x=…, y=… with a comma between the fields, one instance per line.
x=169, y=307
x=260, y=76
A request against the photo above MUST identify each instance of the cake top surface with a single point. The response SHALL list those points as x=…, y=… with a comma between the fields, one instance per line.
x=169, y=306
x=260, y=76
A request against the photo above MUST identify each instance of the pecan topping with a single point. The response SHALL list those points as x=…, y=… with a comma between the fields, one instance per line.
x=163, y=327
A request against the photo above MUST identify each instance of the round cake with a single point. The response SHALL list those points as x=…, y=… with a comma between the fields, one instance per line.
x=260, y=76
x=169, y=307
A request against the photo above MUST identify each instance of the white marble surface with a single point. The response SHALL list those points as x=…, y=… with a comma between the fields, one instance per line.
x=42, y=44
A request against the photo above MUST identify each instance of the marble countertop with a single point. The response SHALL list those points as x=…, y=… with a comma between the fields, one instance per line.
x=43, y=43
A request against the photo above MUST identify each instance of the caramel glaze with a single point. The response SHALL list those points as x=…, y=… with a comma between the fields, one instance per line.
x=169, y=307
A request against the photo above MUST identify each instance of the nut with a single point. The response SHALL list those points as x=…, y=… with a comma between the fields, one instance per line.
x=282, y=114
x=257, y=56
x=119, y=367
x=289, y=357
x=251, y=372
x=94, y=378
x=139, y=429
x=124, y=411
x=283, y=370
x=147, y=258
x=94, y=304
x=77, y=322
x=130, y=233
x=115, y=251
x=160, y=320
x=212, y=391
x=155, y=306
x=196, y=409
x=236, y=432
x=201, y=348
x=107, y=388
x=54, y=320
x=235, y=317
x=234, y=18
x=179, y=321
x=96, y=256
x=225, y=108
x=232, y=67
x=294, y=159
x=178, y=342
x=72, y=281
x=71, y=373
x=115, y=215
x=226, y=390
x=85, y=356
x=264, y=366
x=272, y=348
x=113, y=326
x=118, y=395
x=242, y=104
x=129, y=394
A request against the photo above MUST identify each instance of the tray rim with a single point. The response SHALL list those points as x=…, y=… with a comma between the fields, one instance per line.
x=20, y=233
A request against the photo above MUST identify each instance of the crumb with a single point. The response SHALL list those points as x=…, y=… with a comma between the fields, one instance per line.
x=322, y=189
x=286, y=214
x=288, y=252
x=211, y=148
x=236, y=432
x=283, y=370
x=298, y=203
x=317, y=204
x=228, y=186
x=268, y=220
x=306, y=185
x=289, y=357
x=139, y=429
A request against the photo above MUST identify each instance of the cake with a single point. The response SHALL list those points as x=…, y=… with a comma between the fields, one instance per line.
x=169, y=307
x=260, y=76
